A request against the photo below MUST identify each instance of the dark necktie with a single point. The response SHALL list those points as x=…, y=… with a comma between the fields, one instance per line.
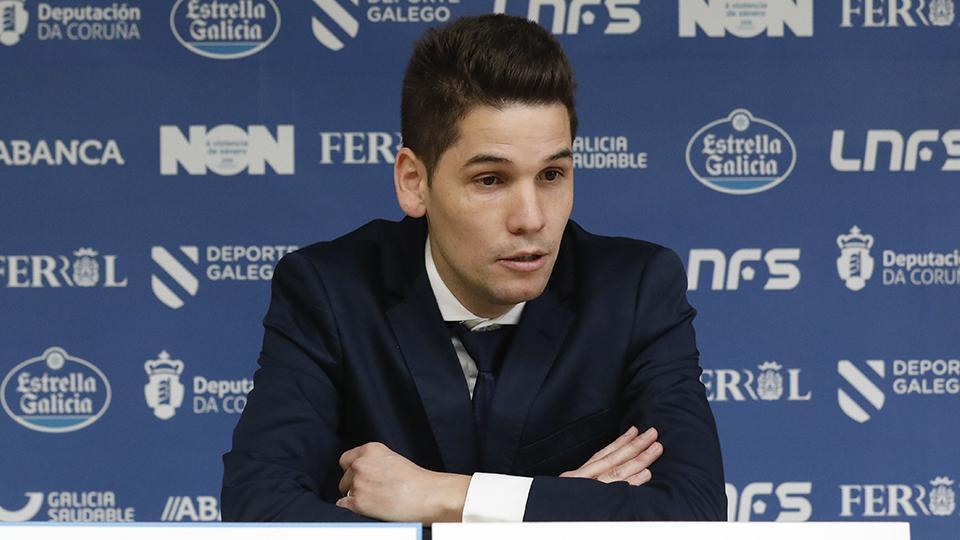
x=487, y=348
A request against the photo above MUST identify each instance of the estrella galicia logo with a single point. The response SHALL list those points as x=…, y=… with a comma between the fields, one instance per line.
x=55, y=392
x=865, y=388
x=225, y=29
x=175, y=270
x=741, y=154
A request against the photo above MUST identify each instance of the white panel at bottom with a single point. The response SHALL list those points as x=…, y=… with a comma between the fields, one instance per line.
x=672, y=531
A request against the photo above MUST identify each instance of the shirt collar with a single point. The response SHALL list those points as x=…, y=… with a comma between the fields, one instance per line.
x=452, y=310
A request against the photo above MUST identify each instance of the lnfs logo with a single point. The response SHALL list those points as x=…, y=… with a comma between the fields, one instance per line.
x=55, y=392
x=226, y=150
x=904, y=152
x=741, y=154
x=13, y=21
x=753, y=501
x=225, y=29
x=622, y=16
x=782, y=272
x=746, y=19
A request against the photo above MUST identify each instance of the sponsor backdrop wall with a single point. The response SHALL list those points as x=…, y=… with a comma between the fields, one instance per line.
x=158, y=158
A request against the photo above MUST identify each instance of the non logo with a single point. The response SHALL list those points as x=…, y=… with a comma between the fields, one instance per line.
x=715, y=18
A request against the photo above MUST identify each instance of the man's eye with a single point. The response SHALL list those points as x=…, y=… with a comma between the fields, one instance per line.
x=488, y=181
x=552, y=175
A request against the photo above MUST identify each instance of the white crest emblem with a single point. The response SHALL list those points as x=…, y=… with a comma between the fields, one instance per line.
x=943, y=500
x=855, y=265
x=164, y=393
x=13, y=21
x=86, y=269
x=770, y=381
x=941, y=12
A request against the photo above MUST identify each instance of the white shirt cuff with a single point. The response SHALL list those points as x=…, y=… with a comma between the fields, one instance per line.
x=496, y=497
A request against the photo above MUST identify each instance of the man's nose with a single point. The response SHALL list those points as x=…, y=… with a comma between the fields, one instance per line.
x=526, y=210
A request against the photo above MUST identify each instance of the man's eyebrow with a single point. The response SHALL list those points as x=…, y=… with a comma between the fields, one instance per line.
x=563, y=154
x=566, y=153
x=485, y=158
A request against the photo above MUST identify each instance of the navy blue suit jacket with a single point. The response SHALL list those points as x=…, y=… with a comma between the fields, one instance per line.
x=356, y=351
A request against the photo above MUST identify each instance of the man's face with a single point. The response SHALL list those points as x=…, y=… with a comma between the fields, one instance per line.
x=498, y=203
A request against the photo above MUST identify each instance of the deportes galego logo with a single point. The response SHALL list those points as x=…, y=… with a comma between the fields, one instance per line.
x=55, y=392
x=741, y=154
x=225, y=29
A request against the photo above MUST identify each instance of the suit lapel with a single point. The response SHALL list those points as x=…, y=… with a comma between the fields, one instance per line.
x=425, y=345
x=535, y=347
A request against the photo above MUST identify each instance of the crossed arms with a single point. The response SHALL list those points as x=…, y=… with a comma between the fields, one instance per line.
x=287, y=462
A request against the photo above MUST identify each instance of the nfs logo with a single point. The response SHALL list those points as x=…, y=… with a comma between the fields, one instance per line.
x=567, y=15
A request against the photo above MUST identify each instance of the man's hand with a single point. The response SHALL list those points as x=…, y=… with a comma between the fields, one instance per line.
x=381, y=484
x=625, y=460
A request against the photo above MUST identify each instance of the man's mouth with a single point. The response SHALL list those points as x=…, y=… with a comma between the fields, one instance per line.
x=524, y=262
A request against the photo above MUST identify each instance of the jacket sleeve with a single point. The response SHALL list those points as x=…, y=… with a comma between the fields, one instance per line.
x=283, y=465
x=662, y=389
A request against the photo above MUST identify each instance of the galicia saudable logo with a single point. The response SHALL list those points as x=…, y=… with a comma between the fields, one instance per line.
x=55, y=392
x=225, y=29
x=741, y=154
x=26, y=512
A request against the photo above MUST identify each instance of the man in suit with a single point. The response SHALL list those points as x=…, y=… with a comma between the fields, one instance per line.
x=475, y=360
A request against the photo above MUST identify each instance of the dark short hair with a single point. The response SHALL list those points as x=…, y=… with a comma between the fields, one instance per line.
x=491, y=60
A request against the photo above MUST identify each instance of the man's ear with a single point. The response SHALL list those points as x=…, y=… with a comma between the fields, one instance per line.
x=410, y=183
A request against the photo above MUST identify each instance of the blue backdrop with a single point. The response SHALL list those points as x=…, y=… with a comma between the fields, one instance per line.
x=157, y=158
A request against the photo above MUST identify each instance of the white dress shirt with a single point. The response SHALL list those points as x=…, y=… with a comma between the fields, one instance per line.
x=490, y=497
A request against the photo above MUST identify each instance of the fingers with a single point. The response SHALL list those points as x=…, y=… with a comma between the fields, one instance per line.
x=620, y=456
x=640, y=478
x=348, y=457
x=627, y=436
x=348, y=502
x=347, y=481
x=634, y=466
